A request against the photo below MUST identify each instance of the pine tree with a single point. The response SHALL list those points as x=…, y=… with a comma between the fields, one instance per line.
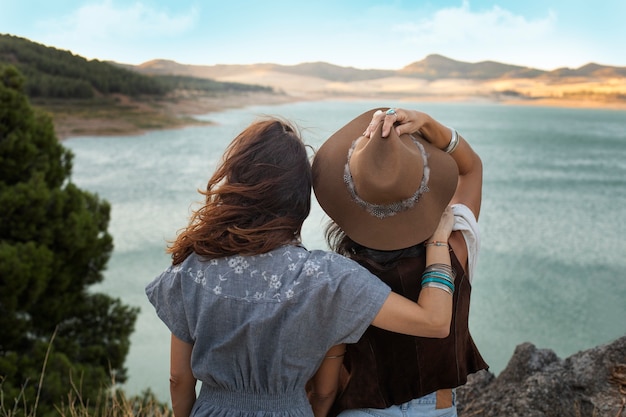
x=54, y=245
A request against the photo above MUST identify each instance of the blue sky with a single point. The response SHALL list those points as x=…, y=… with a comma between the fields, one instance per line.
x=359, y=33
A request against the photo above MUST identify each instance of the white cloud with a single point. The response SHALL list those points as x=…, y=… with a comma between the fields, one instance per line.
x=463, y=34
x=105, y=21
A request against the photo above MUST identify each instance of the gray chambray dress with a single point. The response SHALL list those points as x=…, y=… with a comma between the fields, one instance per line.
x=261, y=325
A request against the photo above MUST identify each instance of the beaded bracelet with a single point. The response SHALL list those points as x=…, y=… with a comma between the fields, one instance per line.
x=436, y=243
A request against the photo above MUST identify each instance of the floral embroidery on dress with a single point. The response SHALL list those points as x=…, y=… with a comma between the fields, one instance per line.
x=310, y=268
x=274, y=282
x=199, y=278
x=216, y=274
x=217, y=290
x=238, y=264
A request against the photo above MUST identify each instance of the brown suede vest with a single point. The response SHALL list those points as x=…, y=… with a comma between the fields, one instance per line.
x=385, y=368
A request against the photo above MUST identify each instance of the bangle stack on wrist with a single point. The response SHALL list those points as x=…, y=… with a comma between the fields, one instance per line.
x=439, y=276
x=454, y=141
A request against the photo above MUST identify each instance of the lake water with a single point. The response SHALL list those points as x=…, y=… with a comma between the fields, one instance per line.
x=553, y=260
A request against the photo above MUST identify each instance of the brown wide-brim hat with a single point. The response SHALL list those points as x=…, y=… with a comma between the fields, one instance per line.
x=384, y=193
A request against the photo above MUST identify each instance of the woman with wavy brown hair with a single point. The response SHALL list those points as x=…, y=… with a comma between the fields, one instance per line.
x=256, y=200
x=252, y=313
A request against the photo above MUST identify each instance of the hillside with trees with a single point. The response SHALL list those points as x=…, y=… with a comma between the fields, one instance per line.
x=93, y=93
x=54, y=73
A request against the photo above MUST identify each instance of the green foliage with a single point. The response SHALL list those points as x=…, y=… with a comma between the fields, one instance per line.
x=54, y=245
x=53, y=73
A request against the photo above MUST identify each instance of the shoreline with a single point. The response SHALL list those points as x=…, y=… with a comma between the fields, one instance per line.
x=132, y=118
x=180, y=112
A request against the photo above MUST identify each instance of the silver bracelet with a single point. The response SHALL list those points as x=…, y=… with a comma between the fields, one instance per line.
x=454, y=141
x=438, y=286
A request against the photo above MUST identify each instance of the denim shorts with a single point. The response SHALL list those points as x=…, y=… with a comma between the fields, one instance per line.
x=421, y=407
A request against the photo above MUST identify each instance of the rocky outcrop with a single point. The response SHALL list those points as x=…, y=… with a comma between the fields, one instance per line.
x=537, y=383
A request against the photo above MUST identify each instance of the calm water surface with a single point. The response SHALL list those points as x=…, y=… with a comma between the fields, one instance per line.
x=553, y=258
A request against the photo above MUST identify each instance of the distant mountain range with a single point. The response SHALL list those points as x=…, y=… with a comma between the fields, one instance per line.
x=433, y=67
x=58, y=74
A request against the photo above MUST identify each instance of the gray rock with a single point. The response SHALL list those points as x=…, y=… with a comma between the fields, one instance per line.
x=537, y=383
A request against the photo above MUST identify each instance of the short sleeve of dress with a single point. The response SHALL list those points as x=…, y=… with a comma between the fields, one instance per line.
x=165, y=294
x=350, y=300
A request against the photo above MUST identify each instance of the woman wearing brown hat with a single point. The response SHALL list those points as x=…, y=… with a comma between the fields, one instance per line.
x=384, y=179
x=252, y=313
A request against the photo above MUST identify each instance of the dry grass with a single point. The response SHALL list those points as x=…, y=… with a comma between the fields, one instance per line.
x=114, y=404
x=111, y=402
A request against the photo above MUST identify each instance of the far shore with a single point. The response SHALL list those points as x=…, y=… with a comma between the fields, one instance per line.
x=181, y=111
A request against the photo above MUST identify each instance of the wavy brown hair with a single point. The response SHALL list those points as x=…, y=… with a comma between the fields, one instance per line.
x=256, y=200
